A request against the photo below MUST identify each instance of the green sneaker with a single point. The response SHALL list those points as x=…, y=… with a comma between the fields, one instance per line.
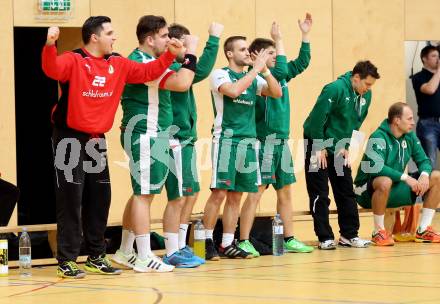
x=293, y=245
x=100, y=265
x=248, y=247
x=70, y=270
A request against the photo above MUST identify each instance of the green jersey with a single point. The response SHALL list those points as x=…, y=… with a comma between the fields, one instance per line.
x=184, y=105
x=234, y=117
x=147, y=107
x=273, y=114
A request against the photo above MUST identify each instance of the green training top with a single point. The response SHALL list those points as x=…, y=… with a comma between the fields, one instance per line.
x=338, y=111
x=273, y=114
x=183, y=103
x=387, y=155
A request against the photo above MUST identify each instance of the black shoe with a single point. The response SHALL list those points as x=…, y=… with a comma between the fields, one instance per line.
x=211, y=252
x=69, y=269
x=100, y=265
x=234, y=252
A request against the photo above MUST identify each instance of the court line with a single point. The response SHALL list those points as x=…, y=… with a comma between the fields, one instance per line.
x=194, y=274
x=35, y=289
x=285, y=298
x=161, y=294
x=314, y=262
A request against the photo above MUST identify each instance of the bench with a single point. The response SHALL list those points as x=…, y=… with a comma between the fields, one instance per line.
x=52, y=232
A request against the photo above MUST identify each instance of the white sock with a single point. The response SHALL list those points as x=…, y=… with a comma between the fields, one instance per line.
x=183, y=229
x=379, y=222
x=127, y=241
x=143, y=246
x=209, y=233
x=426, y=219
x=171, y=242
x=227, y=239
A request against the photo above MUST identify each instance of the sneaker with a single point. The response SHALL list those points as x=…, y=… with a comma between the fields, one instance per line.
x=152, y=264
x=187, y=252
x=293, y=245
x=211, y=252
x=126, y=260
x=180, y=261
x=233, y=251
x=247, y=246
x=70, y=270
x=327, y=245
x=100, y=265
x=427, y=236
x=382, y=238
x=355, y=242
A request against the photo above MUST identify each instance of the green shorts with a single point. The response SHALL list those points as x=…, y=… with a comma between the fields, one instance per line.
x=276, y=165
x=182, y=179
x=400, y=195
x=235, y=166
x=149, y=160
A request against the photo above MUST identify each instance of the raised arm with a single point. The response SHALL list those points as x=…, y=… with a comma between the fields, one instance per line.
x=207, y=60
x=273, y=88
x=146, y=72
x=234, y=89
x=279, y=71
x=182, y=80
x=54, y=66
x=299, y=64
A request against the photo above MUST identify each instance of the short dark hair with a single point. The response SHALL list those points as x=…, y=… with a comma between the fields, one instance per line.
x=426, y=51
x=365, y=69
x=260, y=43
x=149, y=25
x=176, y=30
x=396, y=111
x=227, y=46
x=93, y=25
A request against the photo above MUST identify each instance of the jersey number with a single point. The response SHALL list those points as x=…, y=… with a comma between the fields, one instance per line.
x=99, y=81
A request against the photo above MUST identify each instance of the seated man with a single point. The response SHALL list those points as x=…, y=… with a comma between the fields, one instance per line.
x=381, y=181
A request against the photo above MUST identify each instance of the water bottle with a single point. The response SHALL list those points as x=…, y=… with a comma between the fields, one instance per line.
x=24, y=254
x=277, y=236
x=199, y=239
x=3, y=258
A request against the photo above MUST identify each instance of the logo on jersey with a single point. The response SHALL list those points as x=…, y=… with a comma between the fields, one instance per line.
x=111, y=70
x=99, y=81
x=363, y=101
x=88, y=68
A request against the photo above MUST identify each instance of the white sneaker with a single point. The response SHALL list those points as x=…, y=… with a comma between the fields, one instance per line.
x=354, y=242
x=126, y=260
x=152, y=264
x=327, y=245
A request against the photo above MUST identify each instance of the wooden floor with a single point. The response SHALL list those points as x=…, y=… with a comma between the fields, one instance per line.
x=405, y=273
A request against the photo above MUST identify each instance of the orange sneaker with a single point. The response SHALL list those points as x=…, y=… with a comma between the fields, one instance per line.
x=427, y=236
x=382, y=238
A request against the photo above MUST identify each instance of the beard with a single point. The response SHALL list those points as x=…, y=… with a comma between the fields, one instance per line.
x=243, y=62
x=157, y=52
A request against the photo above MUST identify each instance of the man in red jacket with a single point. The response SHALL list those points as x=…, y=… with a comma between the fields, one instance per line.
x=92, y=80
